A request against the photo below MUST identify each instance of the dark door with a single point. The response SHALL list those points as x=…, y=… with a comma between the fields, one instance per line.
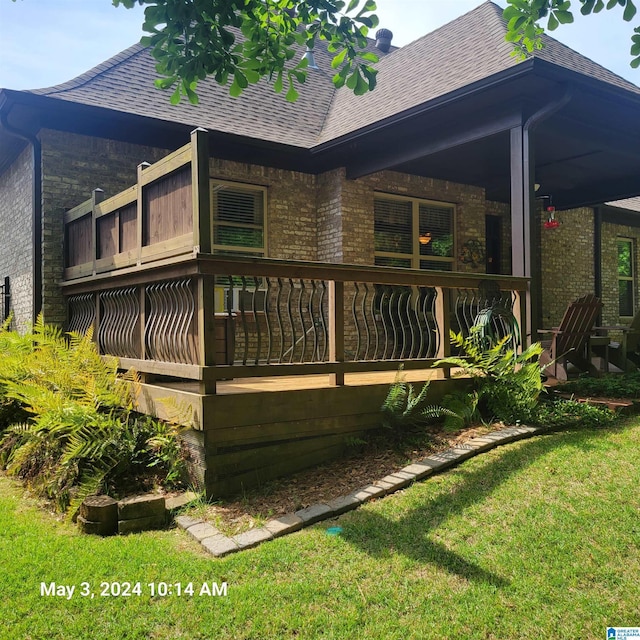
x=493, y=235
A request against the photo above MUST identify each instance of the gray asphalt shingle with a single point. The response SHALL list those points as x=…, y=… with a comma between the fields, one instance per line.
x=466, y=50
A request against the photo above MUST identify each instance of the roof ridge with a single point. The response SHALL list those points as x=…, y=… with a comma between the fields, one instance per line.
x=91, y=74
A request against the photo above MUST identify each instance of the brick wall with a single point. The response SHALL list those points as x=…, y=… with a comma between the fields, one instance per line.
x=16, y=236
x=567, y=259
x=469, y=200
x=72, y=167
x=610, y=235
x=291, y=206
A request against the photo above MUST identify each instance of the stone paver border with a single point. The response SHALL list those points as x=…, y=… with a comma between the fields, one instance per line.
x=220, y=545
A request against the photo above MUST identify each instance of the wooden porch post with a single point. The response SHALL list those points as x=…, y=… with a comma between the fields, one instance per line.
x=201, y=199
x=525, y=258
x=336, y=329
x=97, y=196
x=443, y=321
x=201, y=190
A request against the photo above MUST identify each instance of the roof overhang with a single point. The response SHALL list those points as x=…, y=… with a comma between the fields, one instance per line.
x=586, y=153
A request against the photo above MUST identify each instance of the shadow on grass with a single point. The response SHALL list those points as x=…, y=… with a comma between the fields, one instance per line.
x=414, y=534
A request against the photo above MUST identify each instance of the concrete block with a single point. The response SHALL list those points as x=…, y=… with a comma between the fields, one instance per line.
x=142, y=506
x=142, y=524
x=220, y=545
x=284, y=524
x=252, y=538
x=343, y=503
x=314, y=513
x=202, y=530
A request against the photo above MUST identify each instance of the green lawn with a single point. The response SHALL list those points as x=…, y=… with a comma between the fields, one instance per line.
x=539, y=539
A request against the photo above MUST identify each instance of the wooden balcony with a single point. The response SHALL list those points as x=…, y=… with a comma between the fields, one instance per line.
x=279, y=361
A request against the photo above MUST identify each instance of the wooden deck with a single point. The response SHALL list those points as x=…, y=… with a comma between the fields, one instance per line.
x=300, y=383
x=256, y=429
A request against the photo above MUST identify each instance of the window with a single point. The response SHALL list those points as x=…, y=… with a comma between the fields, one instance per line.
x=238, y=219
x=415, y=233
x=626, y=277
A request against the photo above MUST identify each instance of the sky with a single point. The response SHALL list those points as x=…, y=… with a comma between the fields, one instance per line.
x=46, y=42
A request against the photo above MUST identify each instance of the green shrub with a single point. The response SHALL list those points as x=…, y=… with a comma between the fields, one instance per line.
x=626, y=385
x=566, y=414
x=508, y=383
x=80, y=434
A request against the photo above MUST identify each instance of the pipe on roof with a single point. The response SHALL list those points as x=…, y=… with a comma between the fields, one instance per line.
x=36, y=215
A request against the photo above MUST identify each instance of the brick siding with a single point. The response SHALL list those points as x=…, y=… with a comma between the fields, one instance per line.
x=610, y=235
x=567, y=259
x=16, y=236
x=72, y=167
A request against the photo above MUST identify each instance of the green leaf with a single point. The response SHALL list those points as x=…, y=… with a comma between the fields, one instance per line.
x=292, y=94
x=369, y=56
x=277, y=85
x=175, y=96
x=564, y=17
x=338, y=59
x=235, y=89
x=635, y=63
x=629, y=11
x=553, y=23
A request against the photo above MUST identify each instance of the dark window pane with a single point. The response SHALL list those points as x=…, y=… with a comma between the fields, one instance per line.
x=237, y=236
x=393, y=227
x=383, y=261
x=435, y=265
x=625, y=298
x=435, y=230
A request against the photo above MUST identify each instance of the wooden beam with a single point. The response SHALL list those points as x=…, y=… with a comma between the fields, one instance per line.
x=140, y=208
x=119, y=201
x=97, y=196
x=201, y=190
x=429, y=142
x=168, y=164
x=524, y=245
x=206, y=329
x=443, y=321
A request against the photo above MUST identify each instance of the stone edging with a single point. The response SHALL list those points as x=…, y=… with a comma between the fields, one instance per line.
x=220, y=545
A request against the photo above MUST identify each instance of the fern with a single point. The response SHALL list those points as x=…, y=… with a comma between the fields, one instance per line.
x=403, y=408
x=508, y=383
x=78, y=434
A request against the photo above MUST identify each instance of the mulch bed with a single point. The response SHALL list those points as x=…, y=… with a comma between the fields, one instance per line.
x=328, y=481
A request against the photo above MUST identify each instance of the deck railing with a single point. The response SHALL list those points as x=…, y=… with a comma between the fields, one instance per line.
x=206, y=318
x=139, y=269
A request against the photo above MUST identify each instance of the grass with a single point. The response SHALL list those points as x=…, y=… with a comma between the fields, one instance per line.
x=535, y=539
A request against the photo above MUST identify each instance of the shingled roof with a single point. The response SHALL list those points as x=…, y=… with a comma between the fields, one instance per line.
x=467, y=50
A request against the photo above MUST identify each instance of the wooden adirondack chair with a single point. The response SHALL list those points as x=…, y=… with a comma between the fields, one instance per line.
x=570, y=341
x=624, y=354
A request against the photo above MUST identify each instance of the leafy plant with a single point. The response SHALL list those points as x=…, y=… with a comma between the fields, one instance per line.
x=78, y=433
x=404, y=409
x=565, y=414
x=508, y=383
x=462, y=410
x=626, y=385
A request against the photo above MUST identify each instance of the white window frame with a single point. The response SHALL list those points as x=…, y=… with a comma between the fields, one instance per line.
x=215, y=185
x=221, y=294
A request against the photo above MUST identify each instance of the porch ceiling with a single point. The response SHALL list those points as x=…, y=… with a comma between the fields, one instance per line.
x=586, y=153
